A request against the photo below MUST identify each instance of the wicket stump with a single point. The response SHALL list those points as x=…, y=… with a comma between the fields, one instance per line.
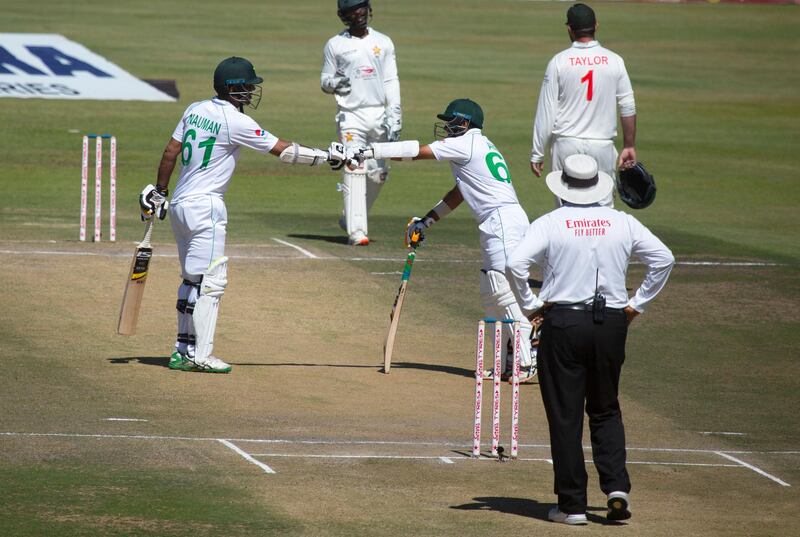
x=98, y=186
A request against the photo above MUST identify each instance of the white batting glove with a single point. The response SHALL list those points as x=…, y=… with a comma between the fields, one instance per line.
x=336, y=156
x=153, y=201
x=360, y=154
x=415, y=230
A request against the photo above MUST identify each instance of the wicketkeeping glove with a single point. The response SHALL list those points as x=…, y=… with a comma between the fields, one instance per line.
x=415, y=231
x=340, y=85
x=336, y=156
x=152, y=201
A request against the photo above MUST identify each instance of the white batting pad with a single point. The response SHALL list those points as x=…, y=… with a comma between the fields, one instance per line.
x=499, y=302
x=355, y=201
x=204, y=318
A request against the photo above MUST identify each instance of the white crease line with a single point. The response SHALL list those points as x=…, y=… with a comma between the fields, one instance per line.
x=247, y=456
x=395, y=273
x=123, y=419
x=446, y=460
x=722, y=433
x=309, y=255
x=299, y=249
x=754, y=468
x=374, y=442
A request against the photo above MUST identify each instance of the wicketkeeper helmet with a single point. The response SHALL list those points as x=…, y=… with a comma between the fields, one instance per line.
x=636, y=187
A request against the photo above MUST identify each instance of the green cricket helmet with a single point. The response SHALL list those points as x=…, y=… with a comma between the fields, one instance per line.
x=235, y=77
x=454, y=115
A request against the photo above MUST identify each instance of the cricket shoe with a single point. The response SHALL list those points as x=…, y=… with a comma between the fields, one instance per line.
x=526, y=374
x=212, y=364
x=618, y=506
x=577, y=519
x=358, y=238
x=179, y=362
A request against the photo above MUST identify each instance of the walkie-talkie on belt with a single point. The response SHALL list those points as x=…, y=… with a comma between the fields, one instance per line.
x=598, y=302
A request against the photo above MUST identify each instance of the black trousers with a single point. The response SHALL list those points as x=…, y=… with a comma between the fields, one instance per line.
x=580, y=363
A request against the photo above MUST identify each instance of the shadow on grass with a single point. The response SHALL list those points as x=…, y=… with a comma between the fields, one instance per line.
x=527, y=508
x=159, y=361
x=450, y=370
x=337, y=239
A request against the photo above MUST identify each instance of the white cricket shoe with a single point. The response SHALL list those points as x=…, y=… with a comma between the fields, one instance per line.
x=618, y=506
x=212, y=364
x=577, y=519
x=358, y=238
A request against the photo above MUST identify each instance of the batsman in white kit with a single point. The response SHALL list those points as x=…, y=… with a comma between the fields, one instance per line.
x=582, y=90
x=208, y=139
x=483, y=181
x=360, y=70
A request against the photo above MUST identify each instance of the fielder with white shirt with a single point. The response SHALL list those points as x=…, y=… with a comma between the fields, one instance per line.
x=208, y=139
x=582, y=89
x=483, y=181
x=583, y=249
x=360, y=70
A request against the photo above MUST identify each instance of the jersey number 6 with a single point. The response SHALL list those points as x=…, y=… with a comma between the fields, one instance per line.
x=186, y=150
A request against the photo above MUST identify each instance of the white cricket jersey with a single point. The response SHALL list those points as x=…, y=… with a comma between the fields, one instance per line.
x=480, y=171
x=574, y=243
x=582, y=87
x=369, y=63
x=212, y=132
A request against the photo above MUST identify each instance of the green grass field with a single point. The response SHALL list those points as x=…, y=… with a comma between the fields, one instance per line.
x=357, y=452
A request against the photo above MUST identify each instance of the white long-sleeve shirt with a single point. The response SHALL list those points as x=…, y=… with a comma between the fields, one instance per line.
x=582, y=88
x=575, y=243
x=370, y=64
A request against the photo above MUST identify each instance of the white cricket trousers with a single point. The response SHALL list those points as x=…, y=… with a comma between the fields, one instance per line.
x=603, y=152
x=500, y=233
x=199, y=224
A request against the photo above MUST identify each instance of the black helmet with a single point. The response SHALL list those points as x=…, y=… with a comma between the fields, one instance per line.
x=636, y=187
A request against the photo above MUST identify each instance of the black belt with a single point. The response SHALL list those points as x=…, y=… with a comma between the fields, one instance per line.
x=579, y=306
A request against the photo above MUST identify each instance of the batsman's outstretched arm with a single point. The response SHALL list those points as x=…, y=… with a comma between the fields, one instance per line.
x=294, y=153
x=405, y=150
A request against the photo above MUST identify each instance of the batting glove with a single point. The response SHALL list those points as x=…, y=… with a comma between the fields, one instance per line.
x=415, y=230
x=360, y=154
x=336, y=156
x=153, y=201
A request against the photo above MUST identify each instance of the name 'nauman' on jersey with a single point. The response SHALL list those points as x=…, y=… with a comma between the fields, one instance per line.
x=203, y=123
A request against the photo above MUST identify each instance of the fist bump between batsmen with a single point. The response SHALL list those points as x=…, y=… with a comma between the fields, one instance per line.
x=153, y=200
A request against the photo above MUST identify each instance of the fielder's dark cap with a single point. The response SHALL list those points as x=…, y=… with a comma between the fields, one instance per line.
x=580, y=17
x=464, y=108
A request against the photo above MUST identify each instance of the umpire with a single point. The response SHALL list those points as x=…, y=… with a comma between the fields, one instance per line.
x=583, y=250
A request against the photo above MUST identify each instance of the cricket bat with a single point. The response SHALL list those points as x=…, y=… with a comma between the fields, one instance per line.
x=134, y=287
x=394, y=316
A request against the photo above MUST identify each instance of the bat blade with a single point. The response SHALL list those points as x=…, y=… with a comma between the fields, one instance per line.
x=134, y=286
x=388, y=348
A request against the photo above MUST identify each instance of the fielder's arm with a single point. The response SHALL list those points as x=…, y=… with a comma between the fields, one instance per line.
x=628, y=153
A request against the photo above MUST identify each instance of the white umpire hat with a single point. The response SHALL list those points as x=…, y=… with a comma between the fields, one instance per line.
x=580, y=182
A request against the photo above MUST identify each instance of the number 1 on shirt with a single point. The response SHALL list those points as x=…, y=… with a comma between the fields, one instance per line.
x=588, y=78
